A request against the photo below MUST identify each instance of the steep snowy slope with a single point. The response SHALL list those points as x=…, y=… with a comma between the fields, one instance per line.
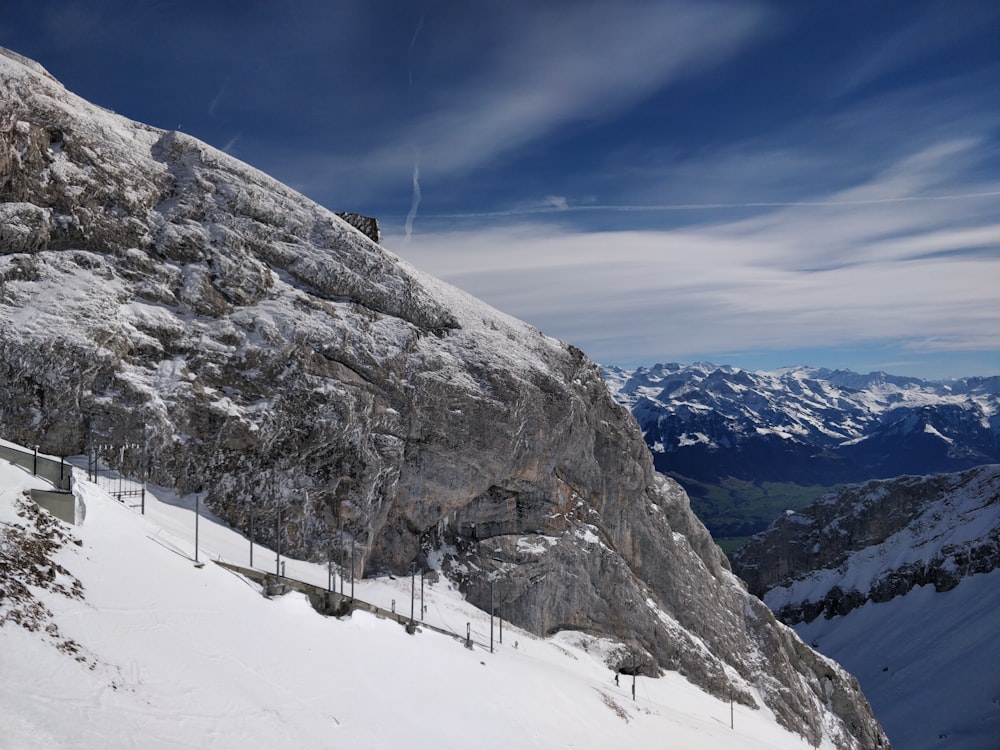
x=168, y=655
x=159, y=299
x=929, y=661
x=899, y=580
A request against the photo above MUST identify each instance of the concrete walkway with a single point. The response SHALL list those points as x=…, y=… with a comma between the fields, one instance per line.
x=331, y=603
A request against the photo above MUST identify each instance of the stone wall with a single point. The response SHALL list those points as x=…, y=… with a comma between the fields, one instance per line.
x=364, y=224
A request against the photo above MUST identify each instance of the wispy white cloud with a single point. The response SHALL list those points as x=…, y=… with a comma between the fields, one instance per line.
x=866, y=266
x=935, y=30
x=541, y=70
x=415, y=203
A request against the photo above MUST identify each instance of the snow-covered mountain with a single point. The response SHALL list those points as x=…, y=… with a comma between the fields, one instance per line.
x=118, y=641
x=806, y=426
x=164, y=304
x=809, y=425
x=900, y=581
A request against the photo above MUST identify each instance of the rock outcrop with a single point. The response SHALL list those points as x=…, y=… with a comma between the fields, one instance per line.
x=876, y=541
x=275, y=357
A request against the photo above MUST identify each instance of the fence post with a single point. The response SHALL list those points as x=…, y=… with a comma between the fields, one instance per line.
x=277, y=533
x=143, y=471
x=197, y=514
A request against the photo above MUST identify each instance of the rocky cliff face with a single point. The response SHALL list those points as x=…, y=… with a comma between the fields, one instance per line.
x=275, y=357
x=874, y=542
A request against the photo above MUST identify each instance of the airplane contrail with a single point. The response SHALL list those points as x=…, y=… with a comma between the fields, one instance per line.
x=408, y=227
x=552, y=209
x=409, y=56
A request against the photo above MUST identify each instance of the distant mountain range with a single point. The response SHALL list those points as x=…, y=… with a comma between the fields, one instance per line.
x=744, y=443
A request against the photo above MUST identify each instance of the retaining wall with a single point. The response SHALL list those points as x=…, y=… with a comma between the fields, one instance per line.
x=56, y=471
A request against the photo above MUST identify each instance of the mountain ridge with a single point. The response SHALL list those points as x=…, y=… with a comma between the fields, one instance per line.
x=898, y=579
x=274, y=360
x=807, y=429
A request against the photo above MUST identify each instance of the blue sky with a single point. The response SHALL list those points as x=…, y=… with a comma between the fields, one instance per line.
x=752, y=183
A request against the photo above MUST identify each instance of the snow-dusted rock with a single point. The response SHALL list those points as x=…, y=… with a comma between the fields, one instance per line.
x=876, y=541
x=278, y=359
x=808, y=425
x=898, y=579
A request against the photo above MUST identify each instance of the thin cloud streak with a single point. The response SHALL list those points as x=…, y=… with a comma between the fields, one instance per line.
x=859, y=269
x=545, y=73
x=415, y=204
x=563, y=206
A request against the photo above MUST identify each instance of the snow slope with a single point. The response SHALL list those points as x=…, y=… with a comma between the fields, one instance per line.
x=928, y=661
x=899, y=581
x=172, y=655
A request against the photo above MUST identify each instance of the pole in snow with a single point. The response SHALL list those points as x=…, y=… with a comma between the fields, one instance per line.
x=491, y=617
x=277, y=533
x=635, y=668
x=352, y=567
x=143, y=472
x=197, y=515
x=90, y=451
x=413, y=592
x=422, y=608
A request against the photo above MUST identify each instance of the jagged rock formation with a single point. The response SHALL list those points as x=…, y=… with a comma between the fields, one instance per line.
x=276, y=357
x=874, y=542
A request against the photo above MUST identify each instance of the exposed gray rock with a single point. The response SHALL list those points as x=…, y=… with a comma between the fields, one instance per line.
x=876, y=541
x=278, y=358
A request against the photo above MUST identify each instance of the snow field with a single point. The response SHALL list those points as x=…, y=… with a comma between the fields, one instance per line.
x=176, y=656
x=928, y=662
